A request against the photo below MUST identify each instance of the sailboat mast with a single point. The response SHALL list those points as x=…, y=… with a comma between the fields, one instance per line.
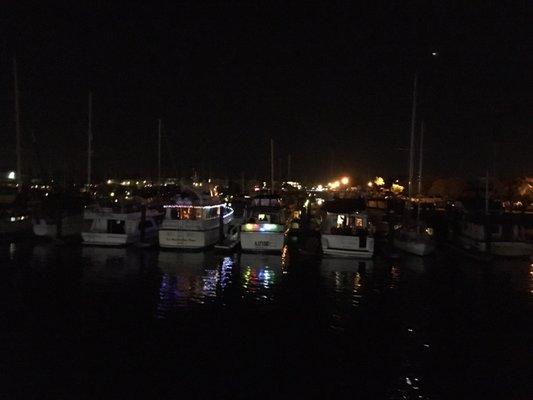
x=159, y=153
x=17, y=123
x=420, y=162
x=90, y=139
x=420, y=174
x=289, y=167
x=487, y=192
x=272, y=166
x=412, y=142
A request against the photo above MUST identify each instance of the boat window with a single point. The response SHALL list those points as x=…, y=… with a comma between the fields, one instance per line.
x=116, y=226
x=263, y=218
x=183, y=213
x=174, y=213
x=213, y=212
x=348, y=225
x=198, y=213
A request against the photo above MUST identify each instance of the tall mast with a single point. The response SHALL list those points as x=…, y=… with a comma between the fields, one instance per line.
x=487, y=192
x=420, y=162
x=159, y=153
x=420, y=173
x=412, y=142
x=272, y=166
x=17, y=123
x=90, y=139
x=289, y=167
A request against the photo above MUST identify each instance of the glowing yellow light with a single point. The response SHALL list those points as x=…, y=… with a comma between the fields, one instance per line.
x=370, y=184
x=345, y=180
x=112, y=194
x=396, y=188
x=379, y=181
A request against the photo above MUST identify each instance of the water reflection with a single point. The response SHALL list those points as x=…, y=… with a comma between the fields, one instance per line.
x=345, y=280
x=260, y=275
x=111, y=269
x=346, y=274
x=415, y=263
x=190, y=279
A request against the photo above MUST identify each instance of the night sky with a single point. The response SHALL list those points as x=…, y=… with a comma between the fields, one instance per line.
x=331, y=85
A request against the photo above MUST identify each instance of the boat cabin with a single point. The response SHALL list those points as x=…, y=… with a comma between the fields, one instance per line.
x=345, y=217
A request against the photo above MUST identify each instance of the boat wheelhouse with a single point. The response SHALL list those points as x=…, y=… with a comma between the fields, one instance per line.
x=119, y=224
x=346, y=229
x=194, y=221
x=264, y=229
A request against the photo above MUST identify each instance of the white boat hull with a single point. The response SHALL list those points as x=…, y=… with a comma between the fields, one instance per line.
x=262, y=241
x=188, y=240
x=70, y=226
x=347, y=246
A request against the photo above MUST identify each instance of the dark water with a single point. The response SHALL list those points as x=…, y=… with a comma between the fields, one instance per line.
x=82, y=322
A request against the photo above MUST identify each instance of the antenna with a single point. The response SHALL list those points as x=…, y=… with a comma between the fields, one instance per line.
x=90, y=139
x=17, y=122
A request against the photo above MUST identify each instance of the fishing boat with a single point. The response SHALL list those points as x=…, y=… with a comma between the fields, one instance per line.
x=346, y=230
x=501, y=235
x=264, y=229
x=119, y=223
x=194, y=221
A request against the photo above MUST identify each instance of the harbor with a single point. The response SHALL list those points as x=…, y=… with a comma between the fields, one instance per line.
x=170, y=292
x=246, y=200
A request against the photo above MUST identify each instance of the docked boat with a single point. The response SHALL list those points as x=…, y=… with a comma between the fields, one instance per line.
x=119, y=224
x=194, y=221
x=15, y=217
x=264, y=229
x=506, y=235
x=60, y=216
x=414, y=238
x=346, y=230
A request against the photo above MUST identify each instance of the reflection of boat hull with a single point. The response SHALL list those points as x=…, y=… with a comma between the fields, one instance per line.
x=183, y=239
x=347, y=246
x=344, y=264
x=259, y=260
x=497, y=248
x=262, y=241
x=71, y=225
x=417, y=247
